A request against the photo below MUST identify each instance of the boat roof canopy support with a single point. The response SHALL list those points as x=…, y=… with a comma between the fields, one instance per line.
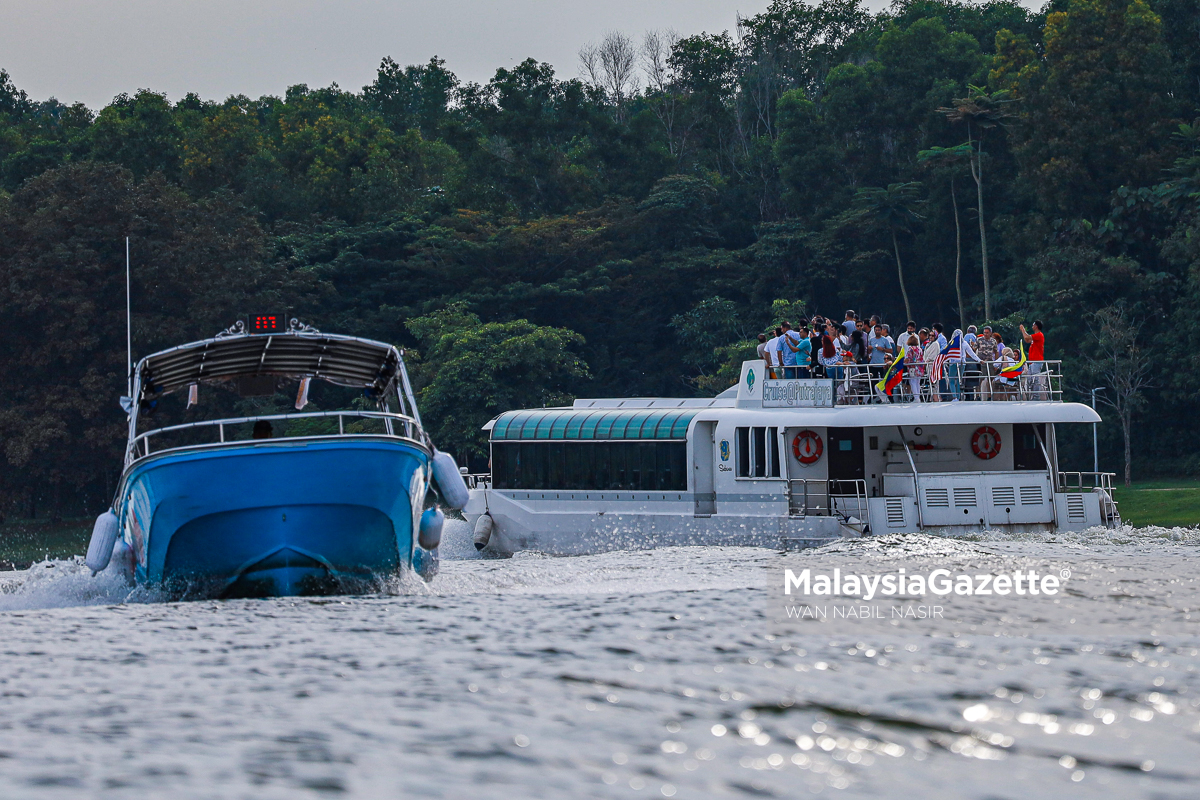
x=341, y=360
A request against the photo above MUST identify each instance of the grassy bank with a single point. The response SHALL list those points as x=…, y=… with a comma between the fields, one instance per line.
x=23, y=542
x=1160, y=502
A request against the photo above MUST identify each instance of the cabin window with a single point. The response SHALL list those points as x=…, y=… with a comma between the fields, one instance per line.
x=742, y=443
x=757, y=452
x=590, y=466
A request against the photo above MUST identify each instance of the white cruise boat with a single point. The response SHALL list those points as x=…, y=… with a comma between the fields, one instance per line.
x=782, y=463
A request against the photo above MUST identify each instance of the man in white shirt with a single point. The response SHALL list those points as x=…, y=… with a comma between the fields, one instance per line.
x=775, y=359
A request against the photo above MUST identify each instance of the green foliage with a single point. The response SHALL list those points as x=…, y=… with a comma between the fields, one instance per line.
x=472, y=371
x=1095, y=106
x=62, y=305
x=817, y=155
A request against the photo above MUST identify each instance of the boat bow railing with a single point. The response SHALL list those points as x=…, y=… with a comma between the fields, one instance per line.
x=397, y=425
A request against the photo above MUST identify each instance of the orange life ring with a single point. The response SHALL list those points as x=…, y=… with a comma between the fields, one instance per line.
x=985, y=443
x=807, y=447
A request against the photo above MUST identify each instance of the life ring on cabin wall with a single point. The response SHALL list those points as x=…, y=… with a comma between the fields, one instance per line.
x=807, y=447
x=985, y=443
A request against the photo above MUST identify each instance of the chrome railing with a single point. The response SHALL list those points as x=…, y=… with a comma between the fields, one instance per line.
x=482, y=480
x=1100, y=482
x=855, y=384
x=397, y=425
x=828, y=498
x=1085, y=481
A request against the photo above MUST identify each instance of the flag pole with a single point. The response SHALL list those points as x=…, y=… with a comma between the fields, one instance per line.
x=128, y=329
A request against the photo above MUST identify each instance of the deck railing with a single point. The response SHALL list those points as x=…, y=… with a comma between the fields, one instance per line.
x=828, y=498
x=1090, y=482
x=481, y=480
x=1085, y=481
x=397, y=425
x=854, y=384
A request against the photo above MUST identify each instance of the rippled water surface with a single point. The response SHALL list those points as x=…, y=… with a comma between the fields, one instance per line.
x=673, y=673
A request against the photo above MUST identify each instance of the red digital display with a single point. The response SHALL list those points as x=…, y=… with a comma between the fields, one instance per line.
x=266, y=323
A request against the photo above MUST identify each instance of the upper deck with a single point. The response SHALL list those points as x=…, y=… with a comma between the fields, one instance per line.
x=766, y=387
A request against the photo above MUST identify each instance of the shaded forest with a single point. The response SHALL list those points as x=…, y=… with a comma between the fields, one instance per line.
x=629, y=231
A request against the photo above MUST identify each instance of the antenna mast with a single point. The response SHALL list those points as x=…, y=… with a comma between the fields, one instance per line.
x=128, y=329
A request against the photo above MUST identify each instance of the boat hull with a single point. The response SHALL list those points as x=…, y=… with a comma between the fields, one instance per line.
x=276, y=518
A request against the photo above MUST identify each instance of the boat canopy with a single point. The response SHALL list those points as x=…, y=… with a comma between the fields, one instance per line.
x=594, y=424
x=341, y=360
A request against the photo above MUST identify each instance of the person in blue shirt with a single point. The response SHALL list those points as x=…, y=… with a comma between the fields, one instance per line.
x=800, y=347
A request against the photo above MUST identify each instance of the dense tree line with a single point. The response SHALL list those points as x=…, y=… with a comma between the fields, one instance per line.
x=627, y=232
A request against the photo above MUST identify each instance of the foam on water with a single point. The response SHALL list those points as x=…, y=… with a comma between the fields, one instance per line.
x=660, y=673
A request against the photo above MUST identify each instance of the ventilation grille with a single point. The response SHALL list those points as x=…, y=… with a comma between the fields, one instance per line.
x=1075, y=508
x=895, y=512
x=937, y=498
x=1004, y=496
x=964, y=496
x=1031, y=495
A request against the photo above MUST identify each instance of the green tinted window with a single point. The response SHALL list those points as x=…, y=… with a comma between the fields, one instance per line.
x=587, y=430
x=543, y=427
x=500, y=429
x=592, y=424
x=528, y=425
x=605, y=426
x=679, y=429
x=634, y=429
x=575, y=424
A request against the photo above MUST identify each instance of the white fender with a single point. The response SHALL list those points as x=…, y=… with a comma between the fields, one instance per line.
x=430, y=534
x=104, y=536
x=449, y=481
x=122, y=560
x=483, y=531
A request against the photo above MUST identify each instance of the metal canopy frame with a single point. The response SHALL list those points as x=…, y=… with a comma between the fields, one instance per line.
x=341, y=360
x=296, y=354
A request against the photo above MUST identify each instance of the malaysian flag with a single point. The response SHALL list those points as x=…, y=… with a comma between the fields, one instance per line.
x=951, y=352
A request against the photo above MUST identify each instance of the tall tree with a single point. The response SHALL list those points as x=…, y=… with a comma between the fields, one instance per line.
x=947, y=160
x=1118, y=362
x=894, y=210
x=981, y=111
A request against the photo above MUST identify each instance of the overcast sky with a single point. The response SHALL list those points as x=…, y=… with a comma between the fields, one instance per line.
x=92, y=50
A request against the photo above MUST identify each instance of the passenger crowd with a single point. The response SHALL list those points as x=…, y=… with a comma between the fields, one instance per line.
x=856, y=355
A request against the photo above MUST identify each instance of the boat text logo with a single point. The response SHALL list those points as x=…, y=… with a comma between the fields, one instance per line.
x=724, y=449
x=938, y=582
x=797, y=392
x=750, y=381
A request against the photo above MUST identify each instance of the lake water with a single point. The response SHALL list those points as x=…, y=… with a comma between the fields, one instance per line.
x=668, y=673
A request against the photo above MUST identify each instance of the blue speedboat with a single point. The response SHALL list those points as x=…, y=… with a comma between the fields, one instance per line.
x=275, y=504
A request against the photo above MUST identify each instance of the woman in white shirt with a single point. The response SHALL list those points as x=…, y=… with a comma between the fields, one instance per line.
x=932, y=350
x=1003, y=386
